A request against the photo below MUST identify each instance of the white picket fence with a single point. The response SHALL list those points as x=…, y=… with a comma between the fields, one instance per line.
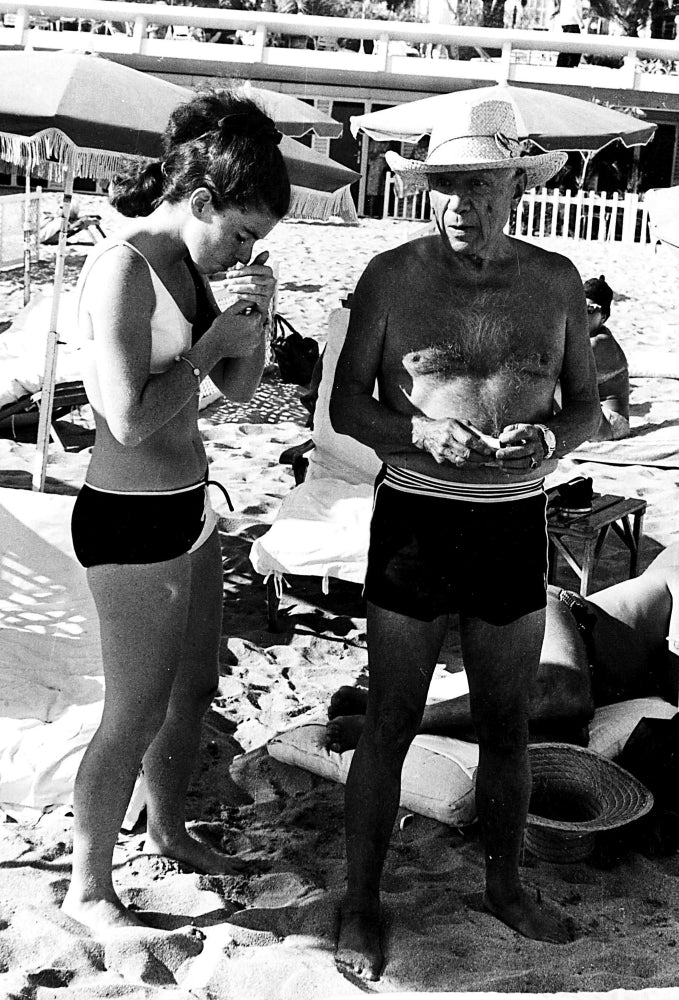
x=544, y=213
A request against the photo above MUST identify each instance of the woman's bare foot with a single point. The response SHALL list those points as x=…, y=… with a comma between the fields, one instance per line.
x=100, y=915
x=537, y=918
x=358, y=946
x=348, y=701
x=197, y=855
x=343, y=732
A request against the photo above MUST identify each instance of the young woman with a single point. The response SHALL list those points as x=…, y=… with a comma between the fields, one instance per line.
x=142, y=524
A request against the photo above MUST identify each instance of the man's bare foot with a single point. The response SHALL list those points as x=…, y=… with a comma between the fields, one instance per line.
x=197, y=855
x=100, y=915
x=358, y=946
x=343, y=732
x=348, y=701
x=534, y=917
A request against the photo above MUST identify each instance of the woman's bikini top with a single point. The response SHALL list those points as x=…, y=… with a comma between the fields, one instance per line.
x=171, y=332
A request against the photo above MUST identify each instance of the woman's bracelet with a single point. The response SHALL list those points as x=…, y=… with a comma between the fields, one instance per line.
x=194, y=369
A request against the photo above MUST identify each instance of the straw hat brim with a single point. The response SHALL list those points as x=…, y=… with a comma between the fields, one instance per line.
x=597, y=793
x=538, y=168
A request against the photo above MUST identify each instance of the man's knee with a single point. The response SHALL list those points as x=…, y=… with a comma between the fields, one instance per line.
x=395, y=726
x=503, y=732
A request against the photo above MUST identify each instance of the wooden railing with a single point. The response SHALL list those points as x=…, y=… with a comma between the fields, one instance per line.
x=544, y=213
x=277, y=46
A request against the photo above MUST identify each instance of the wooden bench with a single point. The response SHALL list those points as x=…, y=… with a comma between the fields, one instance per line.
x=588, y=532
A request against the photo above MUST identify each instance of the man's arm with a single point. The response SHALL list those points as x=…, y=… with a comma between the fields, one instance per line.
x=578, y=419
x=353, y=408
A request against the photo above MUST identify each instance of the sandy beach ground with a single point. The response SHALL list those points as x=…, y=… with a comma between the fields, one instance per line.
x=269, y=933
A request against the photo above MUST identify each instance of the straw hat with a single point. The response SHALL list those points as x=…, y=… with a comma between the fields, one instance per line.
x=483, y=136
x=577, y=793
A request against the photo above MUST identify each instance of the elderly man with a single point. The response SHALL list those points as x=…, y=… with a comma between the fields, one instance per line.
x=466, y=332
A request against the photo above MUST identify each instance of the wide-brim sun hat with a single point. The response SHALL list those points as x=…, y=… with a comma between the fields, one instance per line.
x=577, y=793
x=483, y=136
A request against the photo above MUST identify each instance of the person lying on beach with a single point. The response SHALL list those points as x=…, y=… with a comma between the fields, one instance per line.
x=466, y=333
x=617, y=644
x=142, y=523
x=611, y=363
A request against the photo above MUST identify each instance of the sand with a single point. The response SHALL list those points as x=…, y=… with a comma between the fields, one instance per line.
x=270, y=933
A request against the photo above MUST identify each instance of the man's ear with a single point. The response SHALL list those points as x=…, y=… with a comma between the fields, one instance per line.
x=200, y=202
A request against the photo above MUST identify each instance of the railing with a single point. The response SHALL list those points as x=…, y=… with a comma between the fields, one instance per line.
x=544, y=213
x=131, y=30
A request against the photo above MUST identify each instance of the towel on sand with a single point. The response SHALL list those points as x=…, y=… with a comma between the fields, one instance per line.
x=51, y=683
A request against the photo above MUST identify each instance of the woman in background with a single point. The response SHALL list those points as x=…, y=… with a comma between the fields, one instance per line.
x=142, y=524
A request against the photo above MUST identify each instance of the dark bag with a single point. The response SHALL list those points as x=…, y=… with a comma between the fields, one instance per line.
x=295, y=355
x=651, y=754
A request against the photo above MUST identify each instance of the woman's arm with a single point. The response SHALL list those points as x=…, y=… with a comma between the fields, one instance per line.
x=250, y=287
x=137, y=403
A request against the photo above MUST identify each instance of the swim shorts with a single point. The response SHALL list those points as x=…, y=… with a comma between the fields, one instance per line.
x=135, y=528
x=431, y=556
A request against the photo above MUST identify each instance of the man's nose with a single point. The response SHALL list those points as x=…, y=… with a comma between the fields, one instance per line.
x=459, y=200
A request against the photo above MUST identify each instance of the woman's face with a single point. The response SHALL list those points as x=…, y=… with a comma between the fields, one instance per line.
x=218, y=239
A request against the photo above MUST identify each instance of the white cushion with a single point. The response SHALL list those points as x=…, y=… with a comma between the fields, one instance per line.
x=437, y=779
x=612, y=725
x=337, y=456
x=321, y=529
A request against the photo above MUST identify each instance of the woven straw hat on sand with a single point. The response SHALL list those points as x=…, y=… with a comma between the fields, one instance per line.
x=577, y=793
x=483, y=136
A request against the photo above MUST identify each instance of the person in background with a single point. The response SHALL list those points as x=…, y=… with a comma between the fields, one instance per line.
x=569, y=17
x=611, y=363
x=142, y=524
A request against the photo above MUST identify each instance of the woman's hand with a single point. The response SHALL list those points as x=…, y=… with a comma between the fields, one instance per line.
x=251, y=284
x=240, y=330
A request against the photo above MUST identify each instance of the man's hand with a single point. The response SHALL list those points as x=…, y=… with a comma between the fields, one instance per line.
x=453, y=441
x=521, y=448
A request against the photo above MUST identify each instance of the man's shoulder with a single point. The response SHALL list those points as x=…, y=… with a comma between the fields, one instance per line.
x=403, y=256
x=540, y=257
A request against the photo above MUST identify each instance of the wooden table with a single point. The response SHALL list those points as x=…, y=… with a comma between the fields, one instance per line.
x=588, y=532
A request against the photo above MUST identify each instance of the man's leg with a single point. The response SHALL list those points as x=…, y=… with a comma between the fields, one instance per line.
x=402, y=654
x=560, y=692
x=501, y=663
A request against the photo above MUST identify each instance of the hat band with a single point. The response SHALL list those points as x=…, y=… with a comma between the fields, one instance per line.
x=480, y=146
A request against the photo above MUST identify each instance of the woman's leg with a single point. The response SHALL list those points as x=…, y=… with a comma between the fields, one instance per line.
x=142, y=618
x=169, y=761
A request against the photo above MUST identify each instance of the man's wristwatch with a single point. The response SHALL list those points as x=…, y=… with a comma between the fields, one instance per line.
x=547, y=439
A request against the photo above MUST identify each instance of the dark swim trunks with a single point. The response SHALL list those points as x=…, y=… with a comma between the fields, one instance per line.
x=433, y=555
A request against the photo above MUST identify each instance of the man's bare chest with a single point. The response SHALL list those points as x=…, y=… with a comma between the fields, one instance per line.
x=474, y=335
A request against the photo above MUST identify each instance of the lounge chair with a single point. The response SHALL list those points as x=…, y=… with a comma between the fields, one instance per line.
x=322, y=526
x=663, y=216
x=22, y=364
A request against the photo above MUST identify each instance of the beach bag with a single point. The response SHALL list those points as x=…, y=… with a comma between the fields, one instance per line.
x=295, y=355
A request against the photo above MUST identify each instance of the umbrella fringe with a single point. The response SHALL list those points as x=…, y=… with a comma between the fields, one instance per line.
x=306, y=203
x=50, y=152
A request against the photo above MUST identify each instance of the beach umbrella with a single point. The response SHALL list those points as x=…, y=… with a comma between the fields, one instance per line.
x=64, y=115
x=550, y=120
x=294, y=117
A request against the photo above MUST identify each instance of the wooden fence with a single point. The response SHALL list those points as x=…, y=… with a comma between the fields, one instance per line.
x=544, y=213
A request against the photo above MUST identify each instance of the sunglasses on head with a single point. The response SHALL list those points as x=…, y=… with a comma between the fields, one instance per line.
x=593, y=307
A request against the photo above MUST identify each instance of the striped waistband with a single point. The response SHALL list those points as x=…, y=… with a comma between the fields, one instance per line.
x=416, y=482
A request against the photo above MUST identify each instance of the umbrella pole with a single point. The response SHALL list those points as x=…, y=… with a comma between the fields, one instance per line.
x=27, y=238
x=50, y=373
